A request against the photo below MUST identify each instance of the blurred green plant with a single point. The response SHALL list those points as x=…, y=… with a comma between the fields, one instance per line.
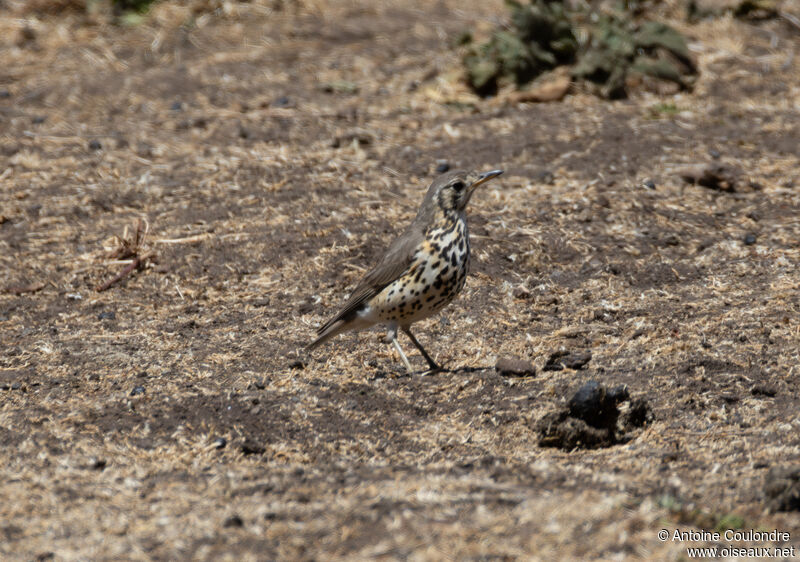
x=700, y=518
x=663, y=109
x=618, y=49
x=614, y=50
x=540, y=39
x=135, y=6
x=122, y=12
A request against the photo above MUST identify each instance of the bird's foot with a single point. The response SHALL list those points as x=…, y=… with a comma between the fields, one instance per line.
x=434, y=369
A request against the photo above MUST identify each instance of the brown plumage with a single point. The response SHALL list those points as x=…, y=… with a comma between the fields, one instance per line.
x=421, y=271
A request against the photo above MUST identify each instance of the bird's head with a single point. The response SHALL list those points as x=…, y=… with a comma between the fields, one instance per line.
x=452, y=191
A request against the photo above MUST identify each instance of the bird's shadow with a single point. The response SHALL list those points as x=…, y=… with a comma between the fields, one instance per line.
x=402, y=373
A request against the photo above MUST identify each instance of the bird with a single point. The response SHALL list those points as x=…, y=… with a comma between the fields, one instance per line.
x=420, y=273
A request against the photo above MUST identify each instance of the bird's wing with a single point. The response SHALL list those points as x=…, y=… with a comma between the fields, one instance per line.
x=396, y=260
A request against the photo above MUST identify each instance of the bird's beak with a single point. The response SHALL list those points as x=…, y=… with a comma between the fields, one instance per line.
x=486, y=176
x=482, y=178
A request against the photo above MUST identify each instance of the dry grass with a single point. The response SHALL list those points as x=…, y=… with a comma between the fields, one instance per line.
x=267, y=198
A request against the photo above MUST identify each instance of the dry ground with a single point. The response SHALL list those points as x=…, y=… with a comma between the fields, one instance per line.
x=274, y=151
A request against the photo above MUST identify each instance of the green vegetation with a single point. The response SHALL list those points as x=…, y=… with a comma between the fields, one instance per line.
x=688, y=515
x=663, y=110
x=135, y=6
x=544, y=34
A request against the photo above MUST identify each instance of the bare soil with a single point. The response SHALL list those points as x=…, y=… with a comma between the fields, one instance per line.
x=273, y=150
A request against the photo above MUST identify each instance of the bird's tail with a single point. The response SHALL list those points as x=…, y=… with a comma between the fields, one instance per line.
x=327, y=332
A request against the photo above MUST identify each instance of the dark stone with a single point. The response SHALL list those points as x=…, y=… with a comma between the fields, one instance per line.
x=282, y=101
x=560, y=360
x=515, y=367
x=94, y=144
x=98, y=464
x=297, y=364
x=714, y=154
x=763, y=390
x=220, y=443
x=442, y=166
x=5, y=94
x=16, y=385
x=38, y=120
x=592, y=419
x=713, y=176
x=782, y=488
x=233, y=521
x=176, y=106
x=250, y=447
x=749, y=239
x=107, y=315
x=137, y=390
x=649, y=184
x=597, y=406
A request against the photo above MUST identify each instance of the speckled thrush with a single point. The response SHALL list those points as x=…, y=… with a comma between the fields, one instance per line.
x=422, y=270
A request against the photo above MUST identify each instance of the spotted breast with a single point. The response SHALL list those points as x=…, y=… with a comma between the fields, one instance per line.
x=436, y=275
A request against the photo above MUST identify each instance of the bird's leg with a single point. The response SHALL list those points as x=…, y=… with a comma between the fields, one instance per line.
x=431, y=363
x=391, y=336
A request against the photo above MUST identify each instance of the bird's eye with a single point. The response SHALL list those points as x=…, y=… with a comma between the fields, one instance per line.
x=458, y=186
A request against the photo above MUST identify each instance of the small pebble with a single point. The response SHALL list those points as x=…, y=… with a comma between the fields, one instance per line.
x=515, y=367
x=714, y=154
x=220, y=442
x=749, y=239
x=176, y=106
x=107, y=315
x=97, y=464
x=763, y=390
x=649, y=184
x=250, y=447
x=282, y=101
x=560, y=360
x=297, y=364
x=233, y=521
x=5, y=94
x=16, y=385
x=442, y=166
x=94, y=144
x=38, y=120
x=137, y=390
